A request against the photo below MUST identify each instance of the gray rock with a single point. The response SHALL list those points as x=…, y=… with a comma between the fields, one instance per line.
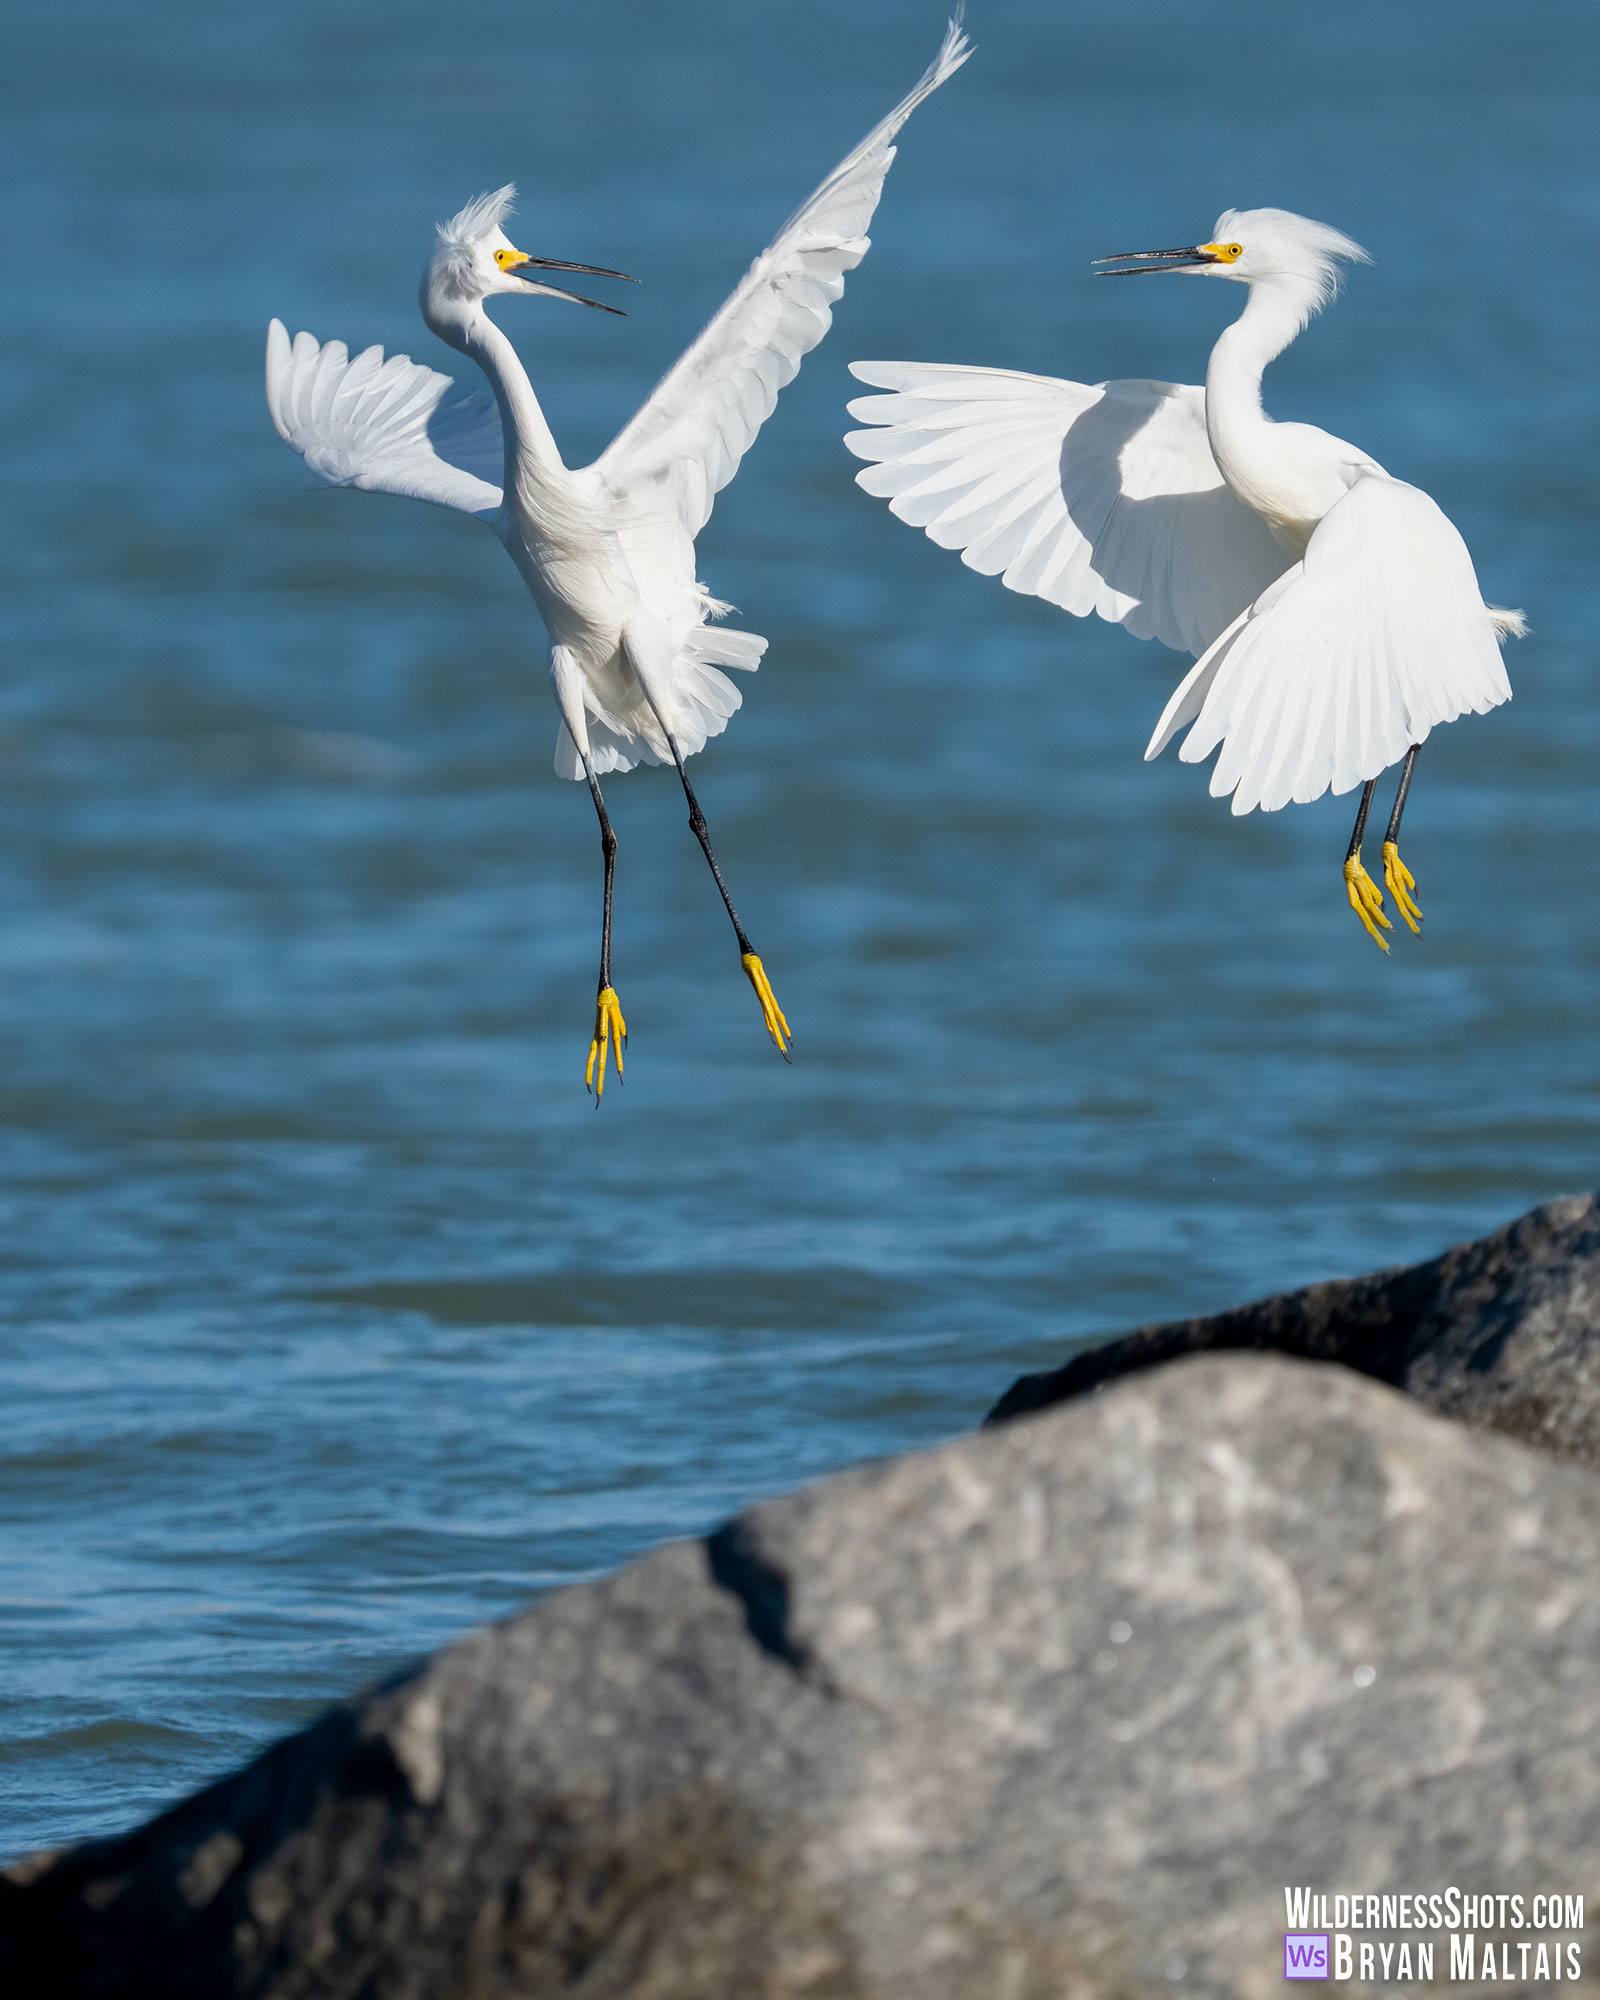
x=1057, y=1710
x=1503, y=1333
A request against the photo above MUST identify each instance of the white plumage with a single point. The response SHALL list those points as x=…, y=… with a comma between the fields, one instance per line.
x=1335, y=610
x=1102, y=499
x=606, y=550
x=386, y=426
x=1116, y=499
x=395, y=426
x=1347, y=660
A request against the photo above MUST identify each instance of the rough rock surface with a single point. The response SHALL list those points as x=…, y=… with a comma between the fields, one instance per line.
x=1054, y=1711
x=1503, y=1333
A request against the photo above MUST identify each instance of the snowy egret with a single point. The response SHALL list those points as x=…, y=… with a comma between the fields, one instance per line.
x=606, y=550
x=1333, y=610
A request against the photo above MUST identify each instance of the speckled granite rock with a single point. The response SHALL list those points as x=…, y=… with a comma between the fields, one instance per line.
x=1503, y=1333
x=1056, y=1710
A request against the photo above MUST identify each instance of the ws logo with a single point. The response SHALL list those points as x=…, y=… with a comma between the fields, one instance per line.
x=1304, y=1956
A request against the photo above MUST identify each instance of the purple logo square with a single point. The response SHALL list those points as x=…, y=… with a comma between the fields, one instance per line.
x=1304, y=1956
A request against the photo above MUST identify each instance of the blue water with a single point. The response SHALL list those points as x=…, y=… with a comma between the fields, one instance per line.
x=335, y=1318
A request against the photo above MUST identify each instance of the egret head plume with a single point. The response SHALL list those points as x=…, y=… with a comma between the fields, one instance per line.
x=481, y=217
x=473, y=259
x=1271, y=244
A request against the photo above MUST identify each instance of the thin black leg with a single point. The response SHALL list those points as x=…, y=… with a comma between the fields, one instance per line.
x=1366, y=898
x=1362, y=810
x=755, y=972
x=1402, y=883
x=1400, y=796
x=697, y=826
x=610, y=1030
x=608, y=847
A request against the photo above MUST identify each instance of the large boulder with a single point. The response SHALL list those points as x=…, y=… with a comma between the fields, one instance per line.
x=1058, y=1710
x=1503, y=1333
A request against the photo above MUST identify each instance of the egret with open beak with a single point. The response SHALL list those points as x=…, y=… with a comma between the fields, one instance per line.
x=1334, y=611
x=607, y=550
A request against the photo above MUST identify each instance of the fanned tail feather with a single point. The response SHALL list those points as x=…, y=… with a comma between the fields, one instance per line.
x=707, y=699
x=715, y=646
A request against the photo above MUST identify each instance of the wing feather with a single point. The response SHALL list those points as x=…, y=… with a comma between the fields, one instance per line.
x=387, y=426
x=1353, y=655
x=1101, y=498
x=685, y=443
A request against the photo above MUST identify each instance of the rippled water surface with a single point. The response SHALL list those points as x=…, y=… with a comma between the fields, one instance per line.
x=335, y=1318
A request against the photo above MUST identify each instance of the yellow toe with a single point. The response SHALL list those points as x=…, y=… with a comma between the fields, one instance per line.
x=771, y=1012
x=1402, y=883
x=610, y=1030
x=1366, y=899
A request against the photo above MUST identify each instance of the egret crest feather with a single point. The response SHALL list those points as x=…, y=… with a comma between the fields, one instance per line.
x=460, y=236
x=1279, y=244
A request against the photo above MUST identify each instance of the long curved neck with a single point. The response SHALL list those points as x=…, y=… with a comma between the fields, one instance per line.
x=532, y=458
x=1273, y=314
x=1240, y=431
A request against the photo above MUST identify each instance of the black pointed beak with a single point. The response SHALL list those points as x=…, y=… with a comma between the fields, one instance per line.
x=531, y=264
x=1133, y=263
x=587, y=270
x=577, y=298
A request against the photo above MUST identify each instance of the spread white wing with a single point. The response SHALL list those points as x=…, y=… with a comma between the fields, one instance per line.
x=1100, y=498
x=678, y=452
x=1348, y=659
x=387, y=426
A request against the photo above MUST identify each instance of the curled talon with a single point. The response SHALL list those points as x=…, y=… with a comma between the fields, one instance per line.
x=1401, y=883
x=608, y=1024
x=771, y=1012
x=1366, y=899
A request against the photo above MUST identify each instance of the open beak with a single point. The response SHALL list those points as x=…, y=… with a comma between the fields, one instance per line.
x=588, y=270
x=525, y=262
x=1133, y=263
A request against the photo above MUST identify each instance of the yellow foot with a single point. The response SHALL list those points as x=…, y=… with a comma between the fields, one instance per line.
x=1366, y=899
x=1401, y=883
x=771, y=1012
x=608, y=1022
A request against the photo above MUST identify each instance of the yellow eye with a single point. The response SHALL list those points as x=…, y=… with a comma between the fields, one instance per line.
x=1233, y=251
x=502, y=258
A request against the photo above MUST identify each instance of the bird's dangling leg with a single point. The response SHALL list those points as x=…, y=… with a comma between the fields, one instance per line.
x=755, y=972
x=610, y=1030
x=1366, y=898
x=648, y=656
x=1402, y=884
x=609, y=1027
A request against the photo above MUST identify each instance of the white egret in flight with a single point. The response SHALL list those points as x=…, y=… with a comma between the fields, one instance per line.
x=607, y=550
x=1333, y=610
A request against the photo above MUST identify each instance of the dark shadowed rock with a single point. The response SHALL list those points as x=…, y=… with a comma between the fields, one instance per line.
x=1054, y=1711
x=1504, y=1333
